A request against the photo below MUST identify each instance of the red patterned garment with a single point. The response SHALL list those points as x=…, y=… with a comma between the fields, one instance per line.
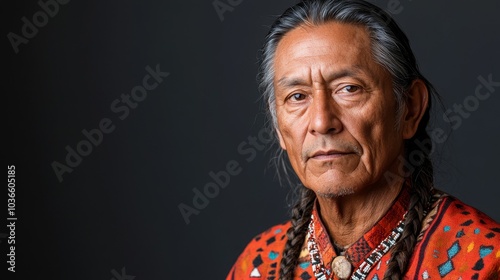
x=457, y=242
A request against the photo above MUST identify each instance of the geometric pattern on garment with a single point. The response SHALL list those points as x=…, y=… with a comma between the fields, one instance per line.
x=447, y=266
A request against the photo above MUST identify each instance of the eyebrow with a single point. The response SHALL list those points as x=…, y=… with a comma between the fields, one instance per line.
x=290, y=82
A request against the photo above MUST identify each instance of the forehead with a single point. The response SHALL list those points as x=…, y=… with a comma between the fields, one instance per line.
x=328, y=47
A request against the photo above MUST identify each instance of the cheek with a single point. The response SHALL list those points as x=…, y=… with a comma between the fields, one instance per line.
x=292, y=129
x=292, y=140
x=374, y=131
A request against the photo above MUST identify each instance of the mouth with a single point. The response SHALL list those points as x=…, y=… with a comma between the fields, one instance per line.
x=329, y=155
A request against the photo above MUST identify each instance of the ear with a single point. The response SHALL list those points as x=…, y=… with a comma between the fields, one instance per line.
x=280, y=137
x=415, y=107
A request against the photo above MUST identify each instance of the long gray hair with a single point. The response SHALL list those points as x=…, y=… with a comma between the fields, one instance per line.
x=390, y=49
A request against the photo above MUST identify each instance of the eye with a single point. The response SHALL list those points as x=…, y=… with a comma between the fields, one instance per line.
x=350, y=89
x=297, y=97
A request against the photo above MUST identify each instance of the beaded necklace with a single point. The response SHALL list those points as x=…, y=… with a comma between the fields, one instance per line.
x=340, y=265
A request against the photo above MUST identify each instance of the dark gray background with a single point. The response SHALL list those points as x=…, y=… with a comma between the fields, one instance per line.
x=119, y=207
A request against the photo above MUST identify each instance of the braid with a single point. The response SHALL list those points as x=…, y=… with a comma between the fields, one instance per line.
x=296, y=234
x=420, y=200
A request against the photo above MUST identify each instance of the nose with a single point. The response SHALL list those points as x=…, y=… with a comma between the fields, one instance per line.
x=324, y=115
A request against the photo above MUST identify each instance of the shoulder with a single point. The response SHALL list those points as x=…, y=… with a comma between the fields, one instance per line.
x=452, y=215
x=262, y=255
x=458, y=241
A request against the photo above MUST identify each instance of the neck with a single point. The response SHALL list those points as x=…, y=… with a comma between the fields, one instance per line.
x=348, y=218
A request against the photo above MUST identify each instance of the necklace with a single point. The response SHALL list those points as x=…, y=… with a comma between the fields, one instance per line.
x=340, y=266
x=340, y=250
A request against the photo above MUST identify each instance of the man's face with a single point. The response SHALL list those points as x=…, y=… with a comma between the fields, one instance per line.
x=336, y=109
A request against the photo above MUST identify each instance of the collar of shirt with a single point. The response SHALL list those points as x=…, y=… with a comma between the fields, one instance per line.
x=361, y=249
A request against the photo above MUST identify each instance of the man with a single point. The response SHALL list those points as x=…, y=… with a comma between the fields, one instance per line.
x=350, y=110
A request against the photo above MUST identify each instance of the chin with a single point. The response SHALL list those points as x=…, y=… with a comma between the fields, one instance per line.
x=334, y=192
x=331, y=184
